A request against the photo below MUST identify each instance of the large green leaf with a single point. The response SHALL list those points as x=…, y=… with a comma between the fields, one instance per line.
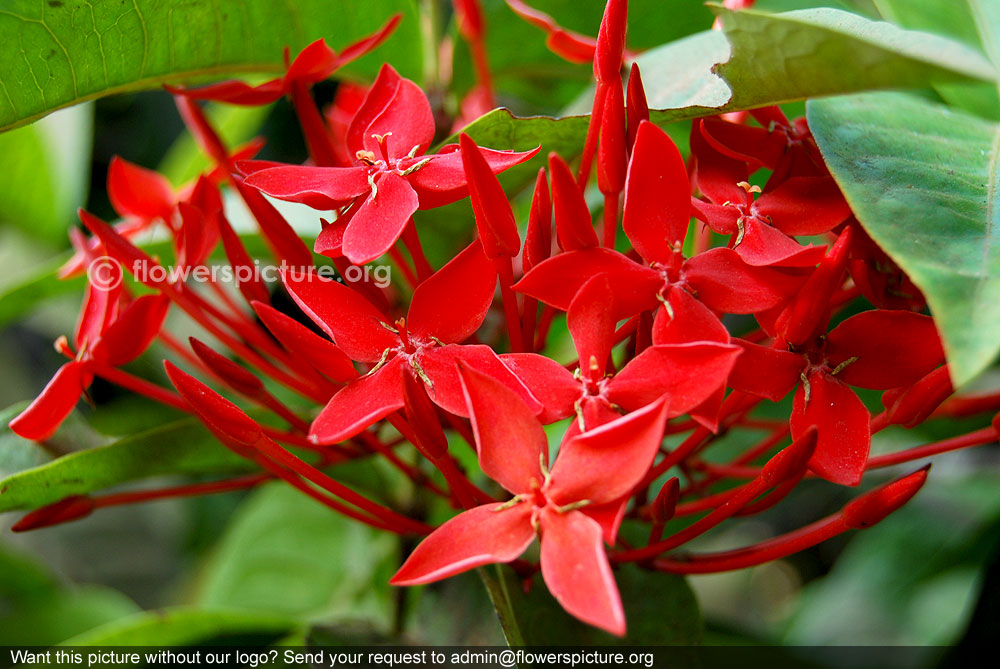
x=774, y=58
x=182, y=447
x=322, y=566
x=64, y=52
x=924, y=180
x=761, y=59
x=660, y=609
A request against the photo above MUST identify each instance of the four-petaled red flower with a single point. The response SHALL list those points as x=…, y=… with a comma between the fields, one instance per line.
x=593, y=470
x=391, y=177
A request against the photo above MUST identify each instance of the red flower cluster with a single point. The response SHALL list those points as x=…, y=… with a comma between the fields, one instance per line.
x=650, y=311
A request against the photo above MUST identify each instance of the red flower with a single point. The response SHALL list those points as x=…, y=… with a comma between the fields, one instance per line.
x=657, y=211
x=879, y=349
x=762, y=229
x=112, y=331
x=314, y=63
x=688, y=374
x=446, y=309
x=391, y=178
x=595, y=469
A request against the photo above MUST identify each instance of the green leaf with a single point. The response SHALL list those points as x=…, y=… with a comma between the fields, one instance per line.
x=660, y=609
x=774, y=58
x=48, y=167
x=796, y=55
x=285, y=553
x=183, y=626
x=182, y=447
x=38, y=610
x=67, y=51
x=41, y=285
x=925, y=182
x=954, y=19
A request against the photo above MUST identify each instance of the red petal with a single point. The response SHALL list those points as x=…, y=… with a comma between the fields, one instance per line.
x=718, y=217
x=893, y=348
x=380, y=220
x=313, y=64
x=744, y=142
x=657, y=195
x=222, y=416
x=557, y=280
x=357, y=49
x=611, y=43
x=494, y=217
x=136, y=191
x=510, y=450
x=318, y=187
x=351, y=321
x=809, y=312
x=483, y=535
x=609, y=517
x=235, y=92
x=574, y=47
x=299, y=340
x=443, y=181
x=716, y=175
x=842, y=423
x=538, y=236
x=423, y=418
x=100, y=305
x=379, y=95
x=439, y=363
x=604, y=464
x=469, y=16
x=691, y=321
x=576, y=570
x=612, y=154
x=805, y=206
x=872, y=507
x=452, y=303
x=574, y=227
x=133, y=331
x=361, y=403
x=765, y=372
x=764, y=245
x=636, y=108
x=591, y=320
x=47, y=412
x=551, y=383
x=714, y=274
x=688, y=373
x=408, y=119
x=230, y=372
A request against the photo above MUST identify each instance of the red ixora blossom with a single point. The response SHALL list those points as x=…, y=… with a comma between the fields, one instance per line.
x=391, y=177
x=445, y=310
x=593, y=470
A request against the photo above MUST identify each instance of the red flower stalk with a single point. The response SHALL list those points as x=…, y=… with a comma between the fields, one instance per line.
x=596, y=469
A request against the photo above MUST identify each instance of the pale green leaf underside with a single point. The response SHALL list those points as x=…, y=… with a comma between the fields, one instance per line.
x=768, y=59
x=60, y=52
x=924, y=182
